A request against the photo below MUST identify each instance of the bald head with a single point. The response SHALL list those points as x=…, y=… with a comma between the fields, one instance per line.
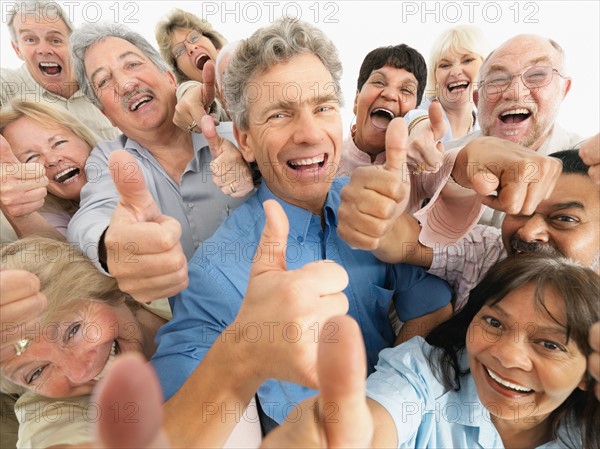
x=522, y=109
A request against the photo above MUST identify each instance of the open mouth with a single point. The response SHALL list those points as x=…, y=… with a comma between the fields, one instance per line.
x=459, y=85
x=50, y=68
x=506, y=384
x=201, y=60
x=67, y=176
x=114, y=350
x=515, y=116
x=308, y=164
x=139, y=102
x=381, y=118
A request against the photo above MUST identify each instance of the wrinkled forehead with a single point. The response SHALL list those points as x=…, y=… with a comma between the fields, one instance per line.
x=521, y=52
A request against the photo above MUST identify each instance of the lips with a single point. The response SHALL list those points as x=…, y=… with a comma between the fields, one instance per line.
x=458, y=85
x=114, y=350
x=50, y=68
x=506, y=384
x=514, y=116
x=201, y=60
x=308, y=164
x=136, y=102
x=67, y=176
x=381, y=117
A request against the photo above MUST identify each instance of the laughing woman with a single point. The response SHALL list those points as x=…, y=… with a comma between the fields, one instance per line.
x=36, y=133
x=454, y=63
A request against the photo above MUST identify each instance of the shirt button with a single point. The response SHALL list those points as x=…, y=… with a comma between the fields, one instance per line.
x=190, y=205
x=300, y=239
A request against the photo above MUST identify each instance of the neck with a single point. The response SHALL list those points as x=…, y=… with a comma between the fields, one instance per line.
x=523, y=433
x=149, y=324
x=172, y=149
x=372, y=151
x=461, y=120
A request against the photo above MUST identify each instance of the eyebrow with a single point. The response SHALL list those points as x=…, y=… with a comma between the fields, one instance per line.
x=327, y=98
x=538, y=328
x=568, y=205
x=406, y=79
x=532, y=62
x=119, y=58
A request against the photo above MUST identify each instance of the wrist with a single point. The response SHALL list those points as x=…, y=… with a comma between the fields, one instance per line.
x=416, y=121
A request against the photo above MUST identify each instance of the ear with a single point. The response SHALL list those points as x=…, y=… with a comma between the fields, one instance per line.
x=585, y=381
x=243, y=139
x=567, y=86
x=17, y=51
x=172, y=79
x=476, y=97
x=355, y=107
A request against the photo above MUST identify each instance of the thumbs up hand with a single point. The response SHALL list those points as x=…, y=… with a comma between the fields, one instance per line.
x=229, y=170
x=143, y=252
x=376, y=195
x=195, y=102
x=425, y=151
x=290, y=309
x=22, y=185
x=340, y=416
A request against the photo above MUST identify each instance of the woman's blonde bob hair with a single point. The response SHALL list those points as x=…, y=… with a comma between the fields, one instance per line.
x=67, y=278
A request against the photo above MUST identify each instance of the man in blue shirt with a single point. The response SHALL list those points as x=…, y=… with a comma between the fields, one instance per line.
x=282, y=89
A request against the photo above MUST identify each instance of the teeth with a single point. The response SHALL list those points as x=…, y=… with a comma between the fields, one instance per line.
x=61, y=177
x=48, y=64
x=111, y=357
x=457, y=84
x=137, y=104
x=203, y=55
x=311, y=161
x=507, y=384
x=510, y=133
x=514, y=111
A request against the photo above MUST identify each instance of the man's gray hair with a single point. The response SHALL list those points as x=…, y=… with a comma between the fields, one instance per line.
x=49, y=10
x=85, y=37
x=269, y=46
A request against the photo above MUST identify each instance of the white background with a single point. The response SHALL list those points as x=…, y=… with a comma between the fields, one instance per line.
x=358, y=27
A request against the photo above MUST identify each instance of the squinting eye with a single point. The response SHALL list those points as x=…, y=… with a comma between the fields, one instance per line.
x=73, y=330
x=550, y=345
x=37, y=373
x=32, y=158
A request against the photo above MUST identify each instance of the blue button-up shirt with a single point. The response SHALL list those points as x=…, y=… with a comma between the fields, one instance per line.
x=218, y=276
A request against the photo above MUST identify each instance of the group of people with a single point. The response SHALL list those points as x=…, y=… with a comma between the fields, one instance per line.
x=183, y=205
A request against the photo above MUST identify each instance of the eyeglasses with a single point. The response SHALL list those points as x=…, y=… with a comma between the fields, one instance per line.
x=179, y=49
x=532, y=77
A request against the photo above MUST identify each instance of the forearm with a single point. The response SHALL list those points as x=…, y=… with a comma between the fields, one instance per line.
x=401, y=244
x=200, y=413
x=33, y=224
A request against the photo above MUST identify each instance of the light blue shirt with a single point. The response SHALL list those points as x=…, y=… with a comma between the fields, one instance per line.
x=423, y=110
x=426, y=414
x=218, y=277
x=196, y=202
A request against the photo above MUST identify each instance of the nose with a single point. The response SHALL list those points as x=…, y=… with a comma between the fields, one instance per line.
x=51, y=159
x=307, y=129
x=79, y=366
x=512, y=352
x=455, y=69
x=390, y=93
x=534, y=229
x=124, y=82
x=43, y=48
x=516, y=89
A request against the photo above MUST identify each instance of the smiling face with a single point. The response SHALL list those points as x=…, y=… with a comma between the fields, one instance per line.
x=68, y=358
x=388, y=93
x=520, y=359
x=190, y=50
x=295, y=130
x=57, y=148
x=135, y=95
x=521, y=115
x=568, y=223
x=455, y=76
x=43, y=45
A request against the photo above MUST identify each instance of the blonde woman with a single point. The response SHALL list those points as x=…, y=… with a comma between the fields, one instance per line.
x=44, y=151
x=454, y=64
